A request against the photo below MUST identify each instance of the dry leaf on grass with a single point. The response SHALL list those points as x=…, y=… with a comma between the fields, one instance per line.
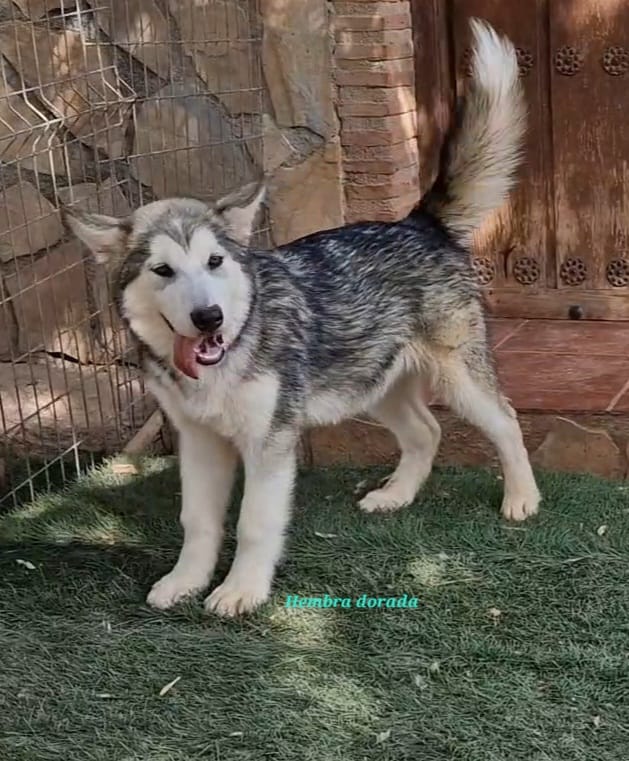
x=168, y=687
x=25, y=564
x=383, y=736
x=360, y=487
x=124, y=469
x=495, y=614
x=420, y=682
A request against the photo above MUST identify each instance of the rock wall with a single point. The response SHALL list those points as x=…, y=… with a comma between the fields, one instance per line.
x=302, y=150
x=581, y=443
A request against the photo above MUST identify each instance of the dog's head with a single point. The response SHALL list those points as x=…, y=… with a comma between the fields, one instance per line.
x=179, y=269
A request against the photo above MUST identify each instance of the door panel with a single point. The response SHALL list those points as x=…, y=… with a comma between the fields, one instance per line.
x=560, y=246
x=515, y=246
x=590, y=104
x=433, y=86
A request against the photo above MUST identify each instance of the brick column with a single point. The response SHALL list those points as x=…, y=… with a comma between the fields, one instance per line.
x=375, y=77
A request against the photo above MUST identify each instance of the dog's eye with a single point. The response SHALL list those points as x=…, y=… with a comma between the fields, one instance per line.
x=214, y=261
x=163, y=270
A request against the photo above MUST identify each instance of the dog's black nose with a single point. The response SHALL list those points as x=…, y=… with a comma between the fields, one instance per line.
x=207, y=319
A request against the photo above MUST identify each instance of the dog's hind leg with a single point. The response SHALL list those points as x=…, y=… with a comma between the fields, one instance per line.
x=467, y=383
x=403, y=412
x=208, y=465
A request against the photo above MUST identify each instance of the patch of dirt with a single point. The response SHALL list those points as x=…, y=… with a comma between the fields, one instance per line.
x=50, y=405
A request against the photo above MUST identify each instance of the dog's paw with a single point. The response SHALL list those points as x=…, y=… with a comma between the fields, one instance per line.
x=234, y=597
x=173, y=588
x=385, y=500
x=519, y=507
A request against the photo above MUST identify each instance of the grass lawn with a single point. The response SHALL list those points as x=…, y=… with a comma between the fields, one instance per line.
x=519, y=648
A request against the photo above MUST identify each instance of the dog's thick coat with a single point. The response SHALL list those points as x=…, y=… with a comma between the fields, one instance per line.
x=360, y=319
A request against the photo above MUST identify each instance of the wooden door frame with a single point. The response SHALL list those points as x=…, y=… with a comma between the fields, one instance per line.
x=435, y=89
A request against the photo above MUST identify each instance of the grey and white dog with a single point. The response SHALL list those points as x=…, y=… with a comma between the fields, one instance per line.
x=245, y=348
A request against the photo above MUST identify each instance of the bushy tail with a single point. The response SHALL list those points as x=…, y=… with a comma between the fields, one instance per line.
x=481, y=155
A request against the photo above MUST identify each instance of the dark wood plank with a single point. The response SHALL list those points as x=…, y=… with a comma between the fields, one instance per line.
x=433, y=83
x=590, y=136
x=558, y=305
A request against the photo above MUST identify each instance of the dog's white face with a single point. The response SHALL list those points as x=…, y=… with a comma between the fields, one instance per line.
x=180, y=270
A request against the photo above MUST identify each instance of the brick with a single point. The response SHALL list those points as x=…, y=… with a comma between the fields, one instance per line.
x=371, y=109
x=407, y=120
x=375, y=78
x=379, y=166
x=396, y=65
x=372, y=23
x=401, y=183
x=391, y=129
x=375, y=73
x=373, y=51
x=375, y=37
x=407, y=150
x=370, y=8
x=400, y=175
x=382, y=191
x=400, y=101
x=401, y=94
x=384, y=210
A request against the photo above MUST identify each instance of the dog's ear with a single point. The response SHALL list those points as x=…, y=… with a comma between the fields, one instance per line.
x=237, y=212
x=104, y=236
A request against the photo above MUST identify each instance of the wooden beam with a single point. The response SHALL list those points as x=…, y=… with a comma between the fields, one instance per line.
x=559, y=305
x=145, y=435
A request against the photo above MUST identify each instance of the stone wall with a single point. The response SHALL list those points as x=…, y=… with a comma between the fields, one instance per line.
x=302, y=149
x=597, y=444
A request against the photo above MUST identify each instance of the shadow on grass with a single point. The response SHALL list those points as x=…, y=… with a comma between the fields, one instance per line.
x=517, y=648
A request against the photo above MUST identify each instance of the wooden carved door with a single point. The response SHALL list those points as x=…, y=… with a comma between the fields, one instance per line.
x=560, y=247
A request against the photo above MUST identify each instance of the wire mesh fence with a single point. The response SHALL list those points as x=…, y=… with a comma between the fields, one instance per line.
x=106, y=104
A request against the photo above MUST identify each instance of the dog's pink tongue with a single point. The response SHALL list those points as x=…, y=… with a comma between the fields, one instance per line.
x=185, y=355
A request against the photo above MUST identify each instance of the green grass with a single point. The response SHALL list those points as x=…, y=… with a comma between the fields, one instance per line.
x=519, y=649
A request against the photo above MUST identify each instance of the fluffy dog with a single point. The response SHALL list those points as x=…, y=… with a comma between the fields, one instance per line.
x=245, y=348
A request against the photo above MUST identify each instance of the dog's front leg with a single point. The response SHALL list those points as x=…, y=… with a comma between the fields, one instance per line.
x=207, y=465
x=264, y=515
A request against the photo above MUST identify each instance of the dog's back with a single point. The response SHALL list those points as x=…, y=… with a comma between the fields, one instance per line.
x=375, y=288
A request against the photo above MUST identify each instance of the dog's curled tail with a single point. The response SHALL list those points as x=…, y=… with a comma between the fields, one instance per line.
x=481, y=155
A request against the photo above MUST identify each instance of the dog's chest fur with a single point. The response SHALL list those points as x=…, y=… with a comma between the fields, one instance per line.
x=240, y=409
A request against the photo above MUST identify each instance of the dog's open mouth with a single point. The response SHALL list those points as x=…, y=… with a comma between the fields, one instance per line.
x=204, y=350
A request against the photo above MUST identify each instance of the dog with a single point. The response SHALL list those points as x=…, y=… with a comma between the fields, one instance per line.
x=244, y=348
